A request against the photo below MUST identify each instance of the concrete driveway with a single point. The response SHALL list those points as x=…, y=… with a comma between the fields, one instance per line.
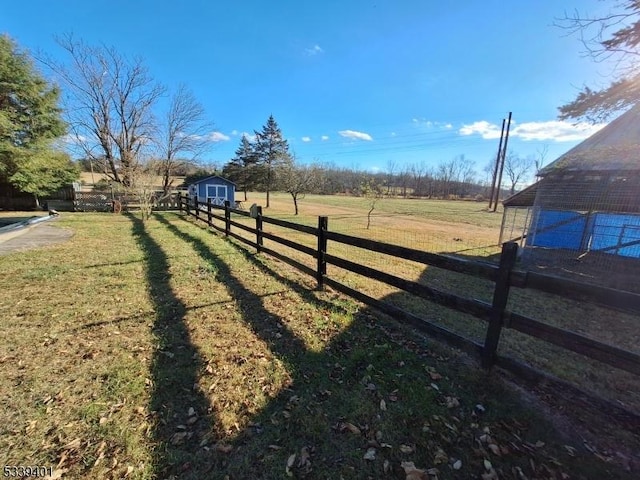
x=33, y=236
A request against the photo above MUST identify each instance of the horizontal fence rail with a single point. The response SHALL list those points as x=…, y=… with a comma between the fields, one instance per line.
x=603, y=296
x=435, y=260
x=495, y=314
x=473, y=307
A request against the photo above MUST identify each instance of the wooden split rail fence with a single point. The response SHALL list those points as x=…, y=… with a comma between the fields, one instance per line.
x=495, y=314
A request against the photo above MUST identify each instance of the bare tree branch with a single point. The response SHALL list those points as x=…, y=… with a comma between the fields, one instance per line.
x=183, y=135
x=612, y=39
x=109, y=104
x=517, y=168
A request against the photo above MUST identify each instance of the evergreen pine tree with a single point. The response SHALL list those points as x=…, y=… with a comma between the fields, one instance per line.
x=29, y=123
x=272, y=152
x=243, y=169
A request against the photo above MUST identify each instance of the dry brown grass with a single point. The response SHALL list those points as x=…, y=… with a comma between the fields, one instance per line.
x=89, y=179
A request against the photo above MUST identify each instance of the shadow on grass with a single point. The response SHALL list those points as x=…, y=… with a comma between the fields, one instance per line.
x=139, y=316
x=346, y=383
x=174, y=368
x=346, y=380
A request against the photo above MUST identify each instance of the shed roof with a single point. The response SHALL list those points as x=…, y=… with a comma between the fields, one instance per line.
x=524, y=198
x=616, y=147
x=212, y=177
x=605, y=193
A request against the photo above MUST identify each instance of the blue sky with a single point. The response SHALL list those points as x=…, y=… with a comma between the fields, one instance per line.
x=352, y=82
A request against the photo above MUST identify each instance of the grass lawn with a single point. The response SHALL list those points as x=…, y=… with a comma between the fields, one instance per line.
x=159, y=350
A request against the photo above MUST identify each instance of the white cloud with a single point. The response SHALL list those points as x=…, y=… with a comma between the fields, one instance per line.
x=250, y=136
x=355, y=135
x=556, y=130
x=234, y=132
x=315, y=50
x=553, y=130
x=393, y=134
x=217, y=137
x=325, y=137
x=306, y=139
x=487, y=130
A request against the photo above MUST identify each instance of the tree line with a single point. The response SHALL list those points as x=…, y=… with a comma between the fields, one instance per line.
x=264, y=163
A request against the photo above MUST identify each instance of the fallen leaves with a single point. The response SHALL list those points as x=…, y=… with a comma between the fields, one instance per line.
x=351, y=428
x=433, y=374
x=406, y=449
x=370, y=454
x=178, y=438
x=452, y=402
x=491, y=473
x=440, y=457
x=413, y=473
x=303, y=466
x=290, y=462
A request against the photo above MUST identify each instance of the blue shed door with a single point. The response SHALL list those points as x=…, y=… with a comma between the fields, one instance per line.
x=217, y=194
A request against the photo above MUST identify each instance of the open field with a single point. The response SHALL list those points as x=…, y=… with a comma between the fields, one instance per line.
x=433, y=225
x=467, y=212
x=159, y=350
x=89, y=179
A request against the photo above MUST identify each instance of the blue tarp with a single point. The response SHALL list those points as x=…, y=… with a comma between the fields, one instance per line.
x=605, y=232
x=610, y=230
x=557, y=229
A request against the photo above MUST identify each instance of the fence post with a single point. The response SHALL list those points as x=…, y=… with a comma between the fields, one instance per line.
x=186, y=204
x=196, y=205
x=179, y=202
x=500, y=297
x=209, y=220
x=227, y=217
x=321, y=271
x=259, y=239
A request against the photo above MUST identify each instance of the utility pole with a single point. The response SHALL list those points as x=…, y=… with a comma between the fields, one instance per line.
x=504, y=154
x=495, y=170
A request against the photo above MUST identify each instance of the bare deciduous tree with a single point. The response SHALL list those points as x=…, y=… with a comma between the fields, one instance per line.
x=541, y=158
x=391, y=168
x=109, y=102
x=374, y=193
x=142, y=186
x=517, y=168
x=447, y=173
x=183, y=135
x=297, y=180
x=418, y=171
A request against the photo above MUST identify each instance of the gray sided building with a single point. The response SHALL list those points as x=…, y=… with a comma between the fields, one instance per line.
x=588, y=200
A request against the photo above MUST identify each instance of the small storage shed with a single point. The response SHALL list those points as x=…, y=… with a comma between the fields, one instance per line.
x=588, y=200
x=215, y=189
